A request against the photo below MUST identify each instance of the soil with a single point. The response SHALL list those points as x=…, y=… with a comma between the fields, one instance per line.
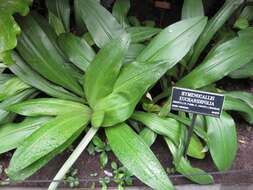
x=242, y=170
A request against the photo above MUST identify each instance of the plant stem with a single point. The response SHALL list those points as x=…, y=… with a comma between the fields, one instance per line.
x=73, y=157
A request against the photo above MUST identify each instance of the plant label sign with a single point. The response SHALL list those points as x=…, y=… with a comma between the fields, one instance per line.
x=197, y=102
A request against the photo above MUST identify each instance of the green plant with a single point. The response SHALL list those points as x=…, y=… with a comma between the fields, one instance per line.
x=88, y=90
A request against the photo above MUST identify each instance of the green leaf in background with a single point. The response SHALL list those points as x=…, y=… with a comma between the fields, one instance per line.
x=59, y=15
x=222, y=140
x=9, y=28
x=38, y=47
x=137, y=157
x=226, y=58
x=213, y=26
x=170, y=128
x=241, y=23
x=2, y=67
x=120, y=10
x=104, y=70
x=48, y=106
x=6, y=116
x=148, y=136
x=12, y=87
x=245, y=71
x=133, y=52
x=103, y=159
x=184, y=167
x=247, y=13
x=241, y=102
x=13, y=134
x=163, y=52
x=77, y=49
x=142, y=33
x=192, y=8
x=101, y=24
x=45, y=143
x=29, y=76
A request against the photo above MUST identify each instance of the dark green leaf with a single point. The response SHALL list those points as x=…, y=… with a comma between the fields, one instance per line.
x=98, y=142
x=184, y=167
x=59, y=14
x=247, y=13
x=142, y=33
x=101, y=24
x=48, y=106
x=222, y=140
x=29, y=76
x=103, y=159
x=213, y=26
x=137, y=157
x=148, y=136
x=245, y=71
x=77, y=49
x=226, y=58
x=37, y=45
x=169, y=47
x=9, y=28
x=104, y=70
x=13, y=134
x=46, y=142
x=120, y=11
x=192, y=8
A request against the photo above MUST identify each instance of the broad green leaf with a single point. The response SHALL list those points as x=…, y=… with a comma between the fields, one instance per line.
x=213, y=26
x=38, y=47
x=101, y=24
x=9, y=28
x=170, y=128
x=137, y=157
x=48, y=106
x=222, y=140
x=46, y=142
x=133, y=51
x=104, y=70
x=163, y=52
x=29, y=76
x=13, y=134
x=120, y=10
x=59, y=15
x=192, y=8
x=77, y=49
x=245, y=71
x=12, y=87
x=148, y=136
x=184, y=167
x=5, y=116
x=243, y=96
x=240, y=104
x=226, y=58
x=142, y=33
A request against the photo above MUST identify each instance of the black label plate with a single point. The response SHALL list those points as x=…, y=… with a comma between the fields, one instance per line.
x=199, y=102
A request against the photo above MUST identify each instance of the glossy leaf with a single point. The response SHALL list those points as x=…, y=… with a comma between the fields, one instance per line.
x=12, y=87
x=213, y=26
x=46, y=142
x=59, y=15
x=13, y=134
x=222, y=141
x=137, y=157
x=48, y=106
x=148, y=136
x=104, y=70
x=120, y=11
x=101, y=24
x=29, y=76
x=170, y=128
x=136, y=78
x=133, y=52
x=184, y=167
x=38, y=47
x=226, y=58
x=192, y=8
x=77, y=49
x=245, y=71
x=9, y=28
x=142, y=33
x=5, y=116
